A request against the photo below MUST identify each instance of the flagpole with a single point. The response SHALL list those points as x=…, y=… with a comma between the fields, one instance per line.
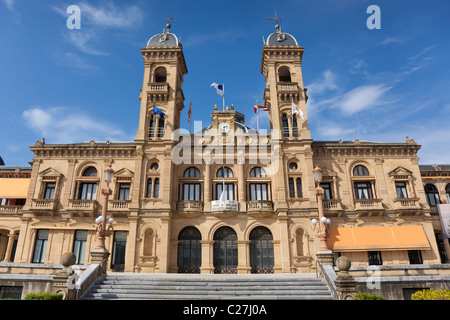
x=257, y=117
x=223, y=96
x=293, y=115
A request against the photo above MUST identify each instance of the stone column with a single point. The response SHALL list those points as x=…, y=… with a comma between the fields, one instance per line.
x=284, y=243
x=100, y=256
x=9, y=247
x=345, y=283
x=207, y=256
x=243, y=257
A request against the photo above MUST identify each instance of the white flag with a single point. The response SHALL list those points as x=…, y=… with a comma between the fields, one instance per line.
x=219, y=88
x=297, y=110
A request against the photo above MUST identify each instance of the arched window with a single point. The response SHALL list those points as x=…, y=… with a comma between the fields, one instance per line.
x=432, y=194
x=224, y=173
x=160, y=74
x=225, y=250
x=257, y=172
x=447, y=191
x=191, y=172
x=189, y=250
x=90, y=172
x=285, y=124
x=360, y=170
x=293, y=166
x=284, y=74
x=261, y=250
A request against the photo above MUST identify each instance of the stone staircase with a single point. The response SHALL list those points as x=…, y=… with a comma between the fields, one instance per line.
x=132, y=286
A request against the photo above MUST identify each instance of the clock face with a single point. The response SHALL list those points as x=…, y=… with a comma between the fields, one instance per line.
x=224, y=126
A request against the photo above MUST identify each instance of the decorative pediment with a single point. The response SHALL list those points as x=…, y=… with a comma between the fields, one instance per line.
x=400, y=171
x=50, y=173
x=123, y=174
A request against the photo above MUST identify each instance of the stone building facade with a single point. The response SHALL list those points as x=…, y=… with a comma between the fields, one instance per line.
x=170, y=211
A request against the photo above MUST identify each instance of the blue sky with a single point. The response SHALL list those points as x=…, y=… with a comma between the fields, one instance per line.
x=79, y=85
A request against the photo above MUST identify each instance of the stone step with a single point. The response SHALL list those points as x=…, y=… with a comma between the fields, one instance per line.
x=182, y=287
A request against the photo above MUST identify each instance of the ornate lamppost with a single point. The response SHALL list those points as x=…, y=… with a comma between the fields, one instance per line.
x=100, y=254
x=320, y=227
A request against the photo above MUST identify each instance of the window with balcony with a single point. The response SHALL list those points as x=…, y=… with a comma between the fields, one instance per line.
x=284, y=75
x=363, y=190
x=259, y=192
x=225, y=173
x=124, y=191
x=87, y=191
x=362, y=185
x=191, y=192
x=327, y=195
x=49, y=192
x=401, y=190
x=432, y=194
x=160, y=74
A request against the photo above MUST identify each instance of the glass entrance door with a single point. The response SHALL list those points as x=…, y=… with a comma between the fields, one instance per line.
x=261, y=250
x=225, y=250
x=189, y=250
x=119, y=248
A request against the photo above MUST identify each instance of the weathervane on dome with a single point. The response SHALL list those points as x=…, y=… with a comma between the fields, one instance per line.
x=276, y=18
x=169, y=19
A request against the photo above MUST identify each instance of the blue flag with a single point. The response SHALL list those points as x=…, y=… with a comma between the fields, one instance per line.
x=219, y=88
x=157, y=111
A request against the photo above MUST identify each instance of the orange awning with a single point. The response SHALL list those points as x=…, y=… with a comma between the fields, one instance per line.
x=14, y=188
x=378, y=238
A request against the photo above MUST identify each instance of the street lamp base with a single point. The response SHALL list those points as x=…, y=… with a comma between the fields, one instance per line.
x=100, y=256
x=325, y=257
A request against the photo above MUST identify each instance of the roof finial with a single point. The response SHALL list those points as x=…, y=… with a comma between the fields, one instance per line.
x=276, y=18
x=170, y=18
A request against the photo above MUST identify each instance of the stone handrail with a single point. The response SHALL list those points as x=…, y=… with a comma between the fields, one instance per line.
x=87, y=278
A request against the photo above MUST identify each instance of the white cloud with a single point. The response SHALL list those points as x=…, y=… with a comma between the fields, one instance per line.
x=9, y=4
x=61, y=125
x=75, y=61
x=361, y=98
x=110, y=15
x=80, y=38
x=389, y=40
x=327, y=82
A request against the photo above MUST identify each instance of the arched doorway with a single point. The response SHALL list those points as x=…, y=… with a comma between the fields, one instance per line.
x=261, y=250
x=189, y=250
x=225, y=250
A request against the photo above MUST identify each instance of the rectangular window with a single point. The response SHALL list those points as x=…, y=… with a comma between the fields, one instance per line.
x=49, y=192
x=401, y=190
x=124, y=191
x=291, y=188
x=149, y=187
x=229, y=191
x=299, y=188
x=79, y=245
x=156, y=191
x=374, y=258
x=363, y=190
x=191, y=192
x=327, y=191
x=259, y=192
x=415, y=257
x=87, y=191
x=7, y=292
x=40, y=246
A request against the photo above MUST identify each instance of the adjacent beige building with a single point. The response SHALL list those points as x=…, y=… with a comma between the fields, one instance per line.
x=167, y=191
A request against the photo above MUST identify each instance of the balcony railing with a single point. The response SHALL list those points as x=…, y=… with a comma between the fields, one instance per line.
x=406, y=204
x=287, y=86
x=332, y=204
x=84, y=205
x=190, y=205
x=43, y=204
x=259, y=205
x=119, y=205
x=10, y=209
x=368, y=204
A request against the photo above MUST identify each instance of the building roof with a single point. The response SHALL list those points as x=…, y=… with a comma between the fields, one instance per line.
x=2, y=163
x=164, y=39
x=279, y=38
